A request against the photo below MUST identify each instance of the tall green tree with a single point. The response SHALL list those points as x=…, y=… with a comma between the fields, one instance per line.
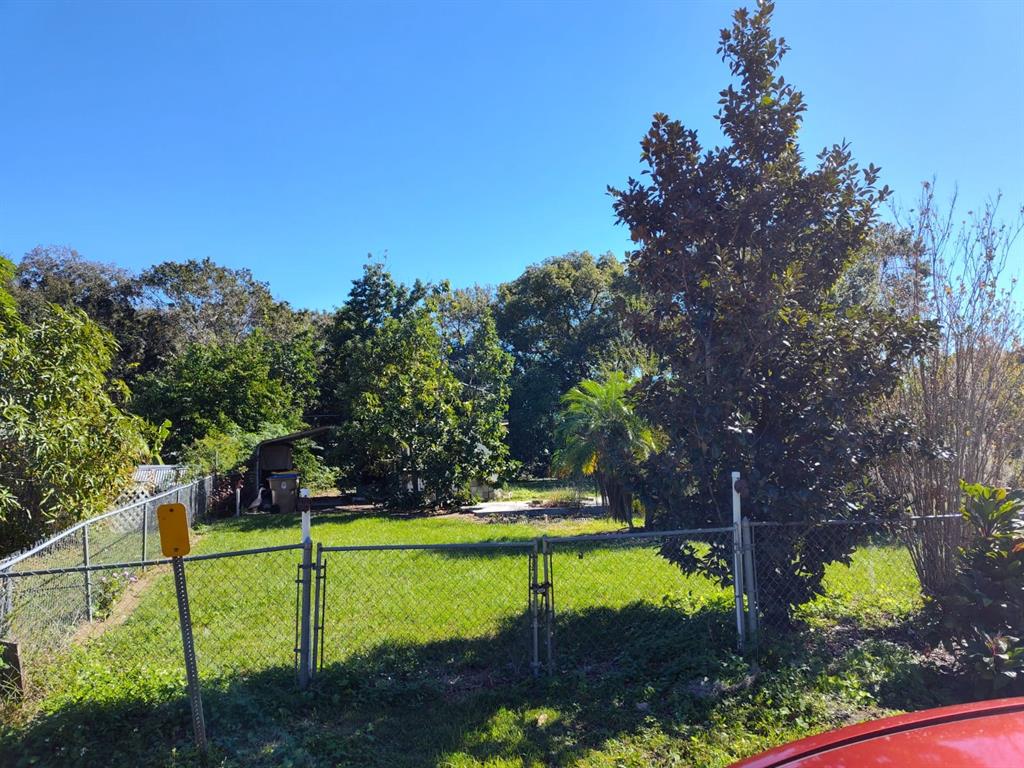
x=759, y=368
x=602, y=436
x=421, y=406
x=66, y=448
x=109, y=296
x=560, y=321
x=483, y=369
x=212, y=304
x=217, y=387
x=373, y=299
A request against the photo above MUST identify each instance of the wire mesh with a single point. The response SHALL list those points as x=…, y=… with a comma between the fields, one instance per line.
x=850, y=572
x=442, y=612
x=612, y=592
x=242, y=615
x=42, y=613
x=451, y=615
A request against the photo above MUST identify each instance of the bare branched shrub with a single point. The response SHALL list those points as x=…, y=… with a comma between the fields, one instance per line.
x=964, y=396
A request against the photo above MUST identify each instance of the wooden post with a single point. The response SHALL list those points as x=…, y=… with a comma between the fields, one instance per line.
x=12, y=678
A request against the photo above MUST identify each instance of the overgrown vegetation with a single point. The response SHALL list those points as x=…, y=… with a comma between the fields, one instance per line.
x=984, y=608
x=957, y=276
x=66, y=444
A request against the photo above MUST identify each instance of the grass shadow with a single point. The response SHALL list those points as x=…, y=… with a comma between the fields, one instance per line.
x=410, y=704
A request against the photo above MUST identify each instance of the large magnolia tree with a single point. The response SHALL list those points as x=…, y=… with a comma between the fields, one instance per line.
x=739, y=249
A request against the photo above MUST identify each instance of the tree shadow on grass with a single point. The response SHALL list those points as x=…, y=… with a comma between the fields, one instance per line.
x=621, y=673
x=412, y=704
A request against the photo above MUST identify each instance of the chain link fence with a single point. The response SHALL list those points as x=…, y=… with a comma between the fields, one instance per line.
x=474, y=614
x=414, y=608
x=459, y=616
x=863, y=573
x=242, y=607
x=612, y=592
x=43, y=613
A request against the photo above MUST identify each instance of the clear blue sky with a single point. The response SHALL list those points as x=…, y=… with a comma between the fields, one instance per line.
x=466, y=140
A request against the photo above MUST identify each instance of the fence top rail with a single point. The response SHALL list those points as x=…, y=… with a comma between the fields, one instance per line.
x=148, y=563
x=516, y=544
x=36, y=549
x=880, y=521
x=525, y=543
x=674, y=534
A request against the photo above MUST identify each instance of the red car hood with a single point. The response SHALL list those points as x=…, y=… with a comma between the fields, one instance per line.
x=985, y=734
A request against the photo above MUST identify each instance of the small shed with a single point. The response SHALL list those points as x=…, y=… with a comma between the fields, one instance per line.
x=274, y=457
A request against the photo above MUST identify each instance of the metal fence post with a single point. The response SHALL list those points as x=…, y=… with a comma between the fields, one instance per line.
x=88, y=573
x=188, y=645
x=145, y=531
x=750, y=581
x=535, y=589
x=317, y=617
x=304, y=628
x=549, y=603
x=737, y=562
x=8, y=604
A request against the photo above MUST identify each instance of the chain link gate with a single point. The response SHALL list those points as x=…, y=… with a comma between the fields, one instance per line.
x=421, y=606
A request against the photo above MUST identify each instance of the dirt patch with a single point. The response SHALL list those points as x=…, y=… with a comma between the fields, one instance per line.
x=126, y=602
x=123, y=606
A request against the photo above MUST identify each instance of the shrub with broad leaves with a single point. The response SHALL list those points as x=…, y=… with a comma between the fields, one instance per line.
x=984, y=611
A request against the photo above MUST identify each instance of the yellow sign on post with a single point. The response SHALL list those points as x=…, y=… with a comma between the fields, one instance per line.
x=173, y=522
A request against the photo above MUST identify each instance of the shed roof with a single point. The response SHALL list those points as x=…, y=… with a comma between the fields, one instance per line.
x=294, y=436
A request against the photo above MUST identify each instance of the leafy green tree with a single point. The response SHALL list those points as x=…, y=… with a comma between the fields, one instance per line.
x=421, y=411
x=66, y=449
x=109, y=296
x=374, y=298
x=212, y=304
x=476, y=359
x=602, y=436
x=759, y=368
x=217, y=386
x=403, y=413
x=560, y=320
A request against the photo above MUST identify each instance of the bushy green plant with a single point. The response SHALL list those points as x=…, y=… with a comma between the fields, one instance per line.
x=984, y=612
x=107, y=588
x=66, y=447
x=603, y=437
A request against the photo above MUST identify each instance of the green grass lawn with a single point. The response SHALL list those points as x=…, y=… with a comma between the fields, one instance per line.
x=426, y=659
x=548, y=490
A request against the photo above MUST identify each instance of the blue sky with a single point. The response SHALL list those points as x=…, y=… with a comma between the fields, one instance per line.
x=465, y=140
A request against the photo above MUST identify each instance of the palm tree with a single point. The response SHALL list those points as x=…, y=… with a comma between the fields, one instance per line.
x=602, y=436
